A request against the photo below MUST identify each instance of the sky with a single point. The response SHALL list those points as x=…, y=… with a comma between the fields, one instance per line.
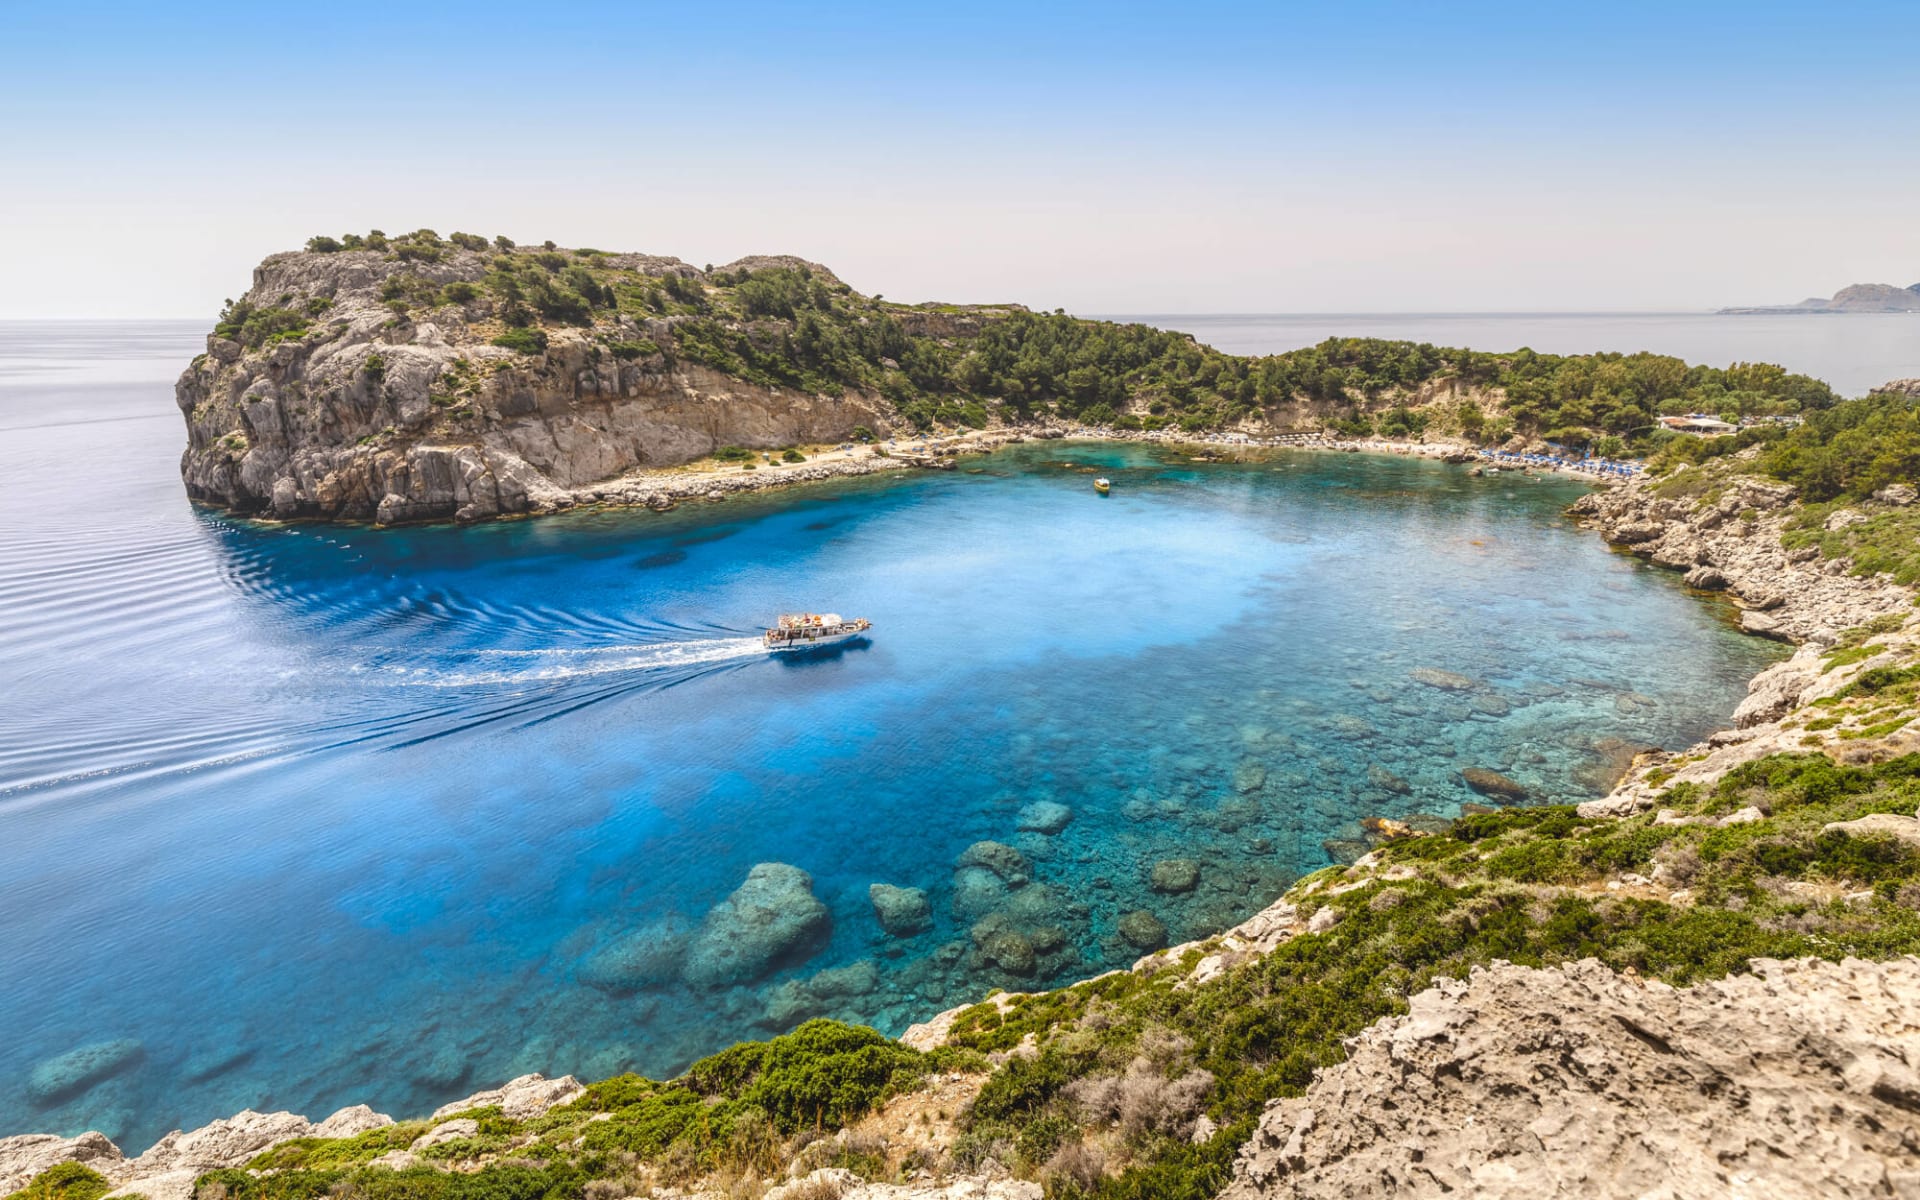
x=1112, y=158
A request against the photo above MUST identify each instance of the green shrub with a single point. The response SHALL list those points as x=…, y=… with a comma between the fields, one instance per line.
x=323, y=245
x=791, y=455
x=468, y=241
x=733, y=454
x=65, y=1181
x=524, y=340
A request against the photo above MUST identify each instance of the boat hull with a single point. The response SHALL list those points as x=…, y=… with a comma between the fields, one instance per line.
x=803, y=644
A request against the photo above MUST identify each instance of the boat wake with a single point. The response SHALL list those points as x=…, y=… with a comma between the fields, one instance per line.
x=488, y=668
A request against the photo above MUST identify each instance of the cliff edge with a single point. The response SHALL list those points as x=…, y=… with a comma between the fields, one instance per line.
x=427, y=380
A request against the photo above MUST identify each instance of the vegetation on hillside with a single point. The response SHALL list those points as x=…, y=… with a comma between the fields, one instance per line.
x=1846, y=449
x=790, y=326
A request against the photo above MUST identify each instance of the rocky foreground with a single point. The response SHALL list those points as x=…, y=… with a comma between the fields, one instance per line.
x=1799, y=1080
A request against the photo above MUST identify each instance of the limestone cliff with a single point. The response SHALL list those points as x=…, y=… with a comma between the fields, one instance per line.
x=360, y=384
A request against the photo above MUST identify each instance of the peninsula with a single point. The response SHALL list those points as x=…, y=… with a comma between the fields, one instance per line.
x=421, y=378
x=1855, y=298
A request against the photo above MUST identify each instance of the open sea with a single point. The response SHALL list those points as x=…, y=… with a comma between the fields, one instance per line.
x=301, y=817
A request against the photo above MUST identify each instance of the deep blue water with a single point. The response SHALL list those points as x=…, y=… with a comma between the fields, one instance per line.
x=331, y=815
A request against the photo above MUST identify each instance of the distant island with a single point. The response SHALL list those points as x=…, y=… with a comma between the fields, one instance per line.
x=1857, y=298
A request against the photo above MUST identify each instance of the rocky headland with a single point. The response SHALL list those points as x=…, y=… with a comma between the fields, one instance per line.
x=1854, y=298
x=421, y=378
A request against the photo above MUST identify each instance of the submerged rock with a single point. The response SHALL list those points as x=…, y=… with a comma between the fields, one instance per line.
x=901, y=911
x=1495, y=785
x=1250, y=775
x=1386, y=780
x=1175, y=875
x=978, y=891
x=65, y=1076
x=647, y=957
x=1142, y=930
x=1044, y=816
x=1005, y=947
x=771, y=920
x=1003, y=860
x=1490, y=705
x=1446, y=681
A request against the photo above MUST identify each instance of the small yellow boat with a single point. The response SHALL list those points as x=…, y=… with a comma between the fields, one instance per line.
x=1102, y=486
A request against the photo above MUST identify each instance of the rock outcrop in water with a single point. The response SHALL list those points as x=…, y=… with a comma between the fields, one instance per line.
x=340, y=400
x=1799, y=1080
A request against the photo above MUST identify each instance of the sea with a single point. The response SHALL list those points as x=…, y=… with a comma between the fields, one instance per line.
x=303, y=816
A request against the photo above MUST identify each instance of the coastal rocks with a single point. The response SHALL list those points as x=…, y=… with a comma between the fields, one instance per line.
x=1879, y=825
x=1002, y=860
x=1142, y=930
x=26, y=1155
x=647, y=957
x=1446, y=681
x=1495, y=786
x=1797, y=1080
x=901, y=911
x=65, y=1076
x=446, y=1131
x=352, y=1122
x=1044, y=816
x=519, y=1099
x=224, y=1143
x=1776, y=691
x=770, y=920
x=1725, y=530
x=1899, y=495
x=1174, y=876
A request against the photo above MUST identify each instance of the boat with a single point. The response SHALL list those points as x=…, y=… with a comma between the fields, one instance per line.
x=1101, y=485
x=809, y=631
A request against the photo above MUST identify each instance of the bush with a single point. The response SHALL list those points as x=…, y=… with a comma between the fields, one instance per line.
x=65, y=1181
x=526, y=341
x=468, y=241
x=323, y=245
x=791, y=455
x=733, y=454
x=459, y=292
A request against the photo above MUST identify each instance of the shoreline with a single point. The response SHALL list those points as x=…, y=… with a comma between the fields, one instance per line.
x=662, y=489
x=1816, y=599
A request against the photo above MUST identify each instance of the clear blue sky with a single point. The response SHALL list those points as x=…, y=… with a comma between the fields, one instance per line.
x=1171, y=158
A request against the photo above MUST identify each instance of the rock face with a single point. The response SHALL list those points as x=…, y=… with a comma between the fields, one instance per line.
x=521, y=1099
x=1732, y=543
x=771, y=920
x=1800, y=1080
x=368, y=415
x=26, y=1155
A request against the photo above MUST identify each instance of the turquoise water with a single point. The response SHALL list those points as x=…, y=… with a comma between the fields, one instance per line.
x=330, y=815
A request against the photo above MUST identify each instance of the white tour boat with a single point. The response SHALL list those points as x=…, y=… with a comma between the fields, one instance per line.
x=808, y=631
